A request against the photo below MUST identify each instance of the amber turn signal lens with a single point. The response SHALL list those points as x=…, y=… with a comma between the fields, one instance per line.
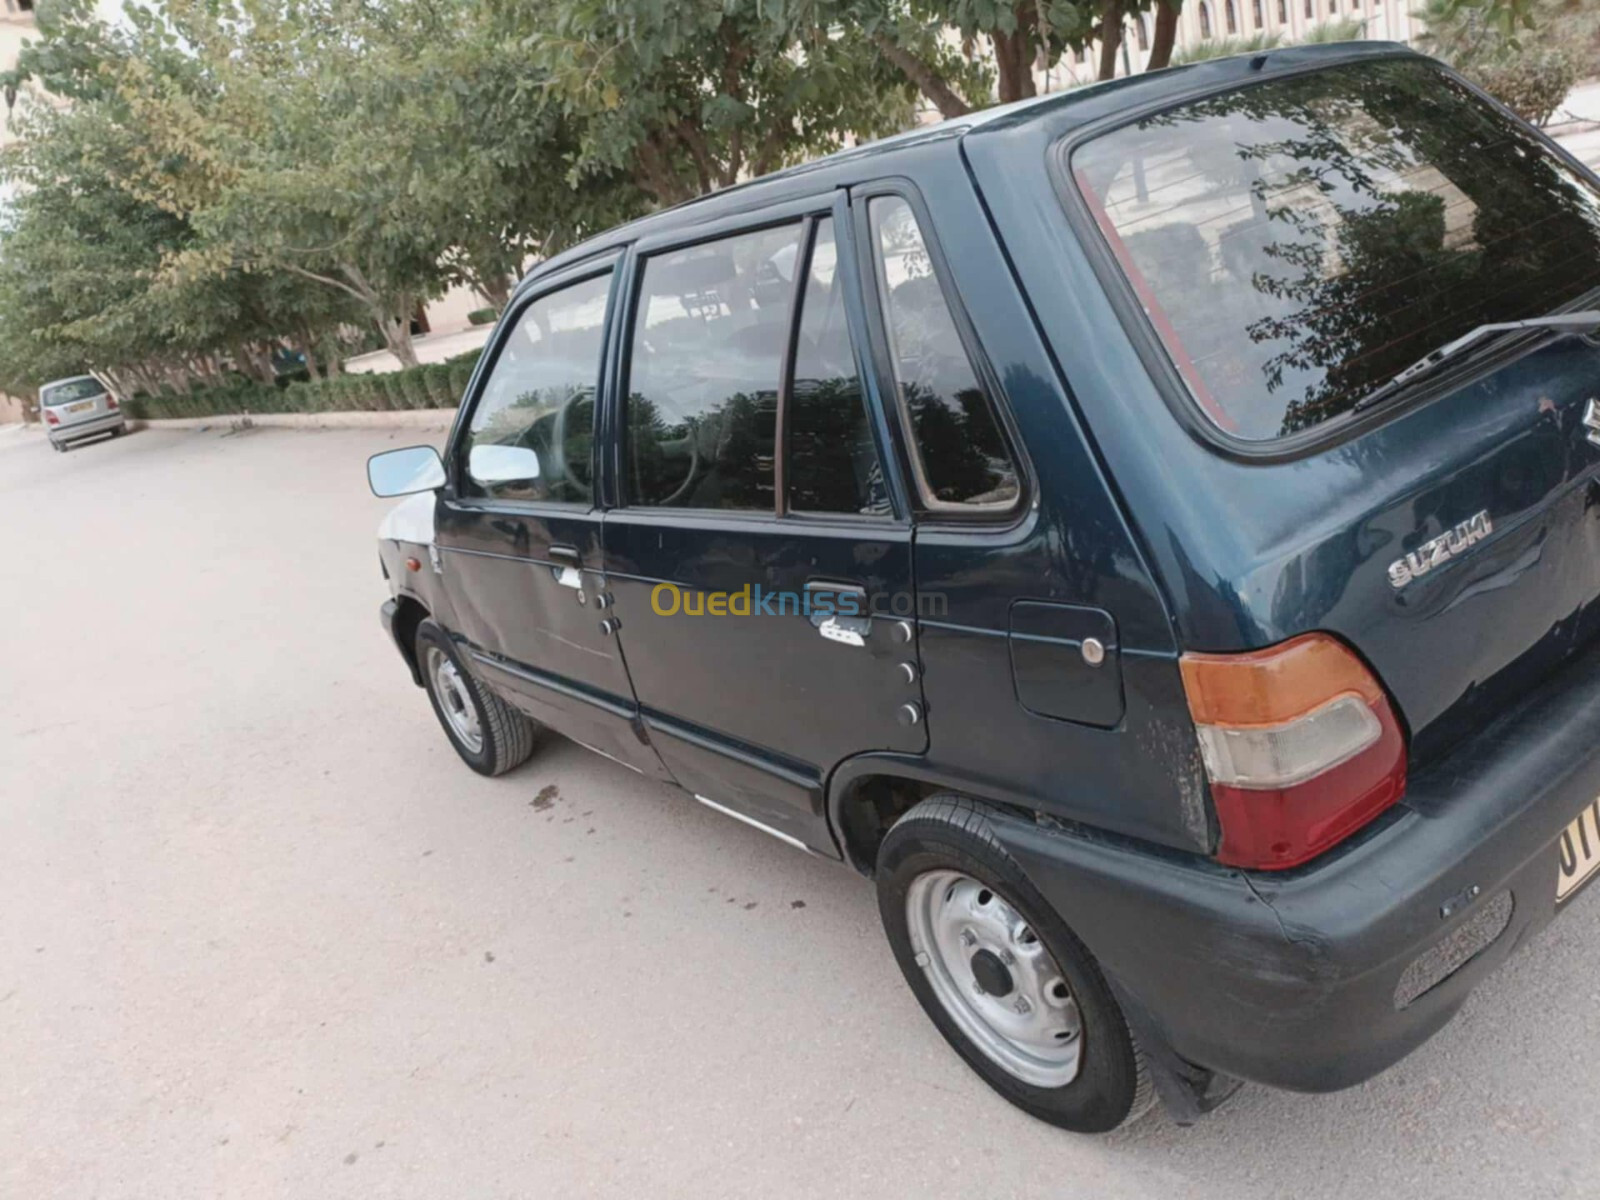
x=1300, y=744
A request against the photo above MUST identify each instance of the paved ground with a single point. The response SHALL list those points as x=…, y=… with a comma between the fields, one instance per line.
x=262, y=935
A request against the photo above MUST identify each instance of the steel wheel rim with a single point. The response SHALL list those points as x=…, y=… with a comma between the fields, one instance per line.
x=964, y=934
x=455, y=701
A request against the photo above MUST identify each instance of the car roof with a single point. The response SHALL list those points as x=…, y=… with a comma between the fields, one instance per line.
x=1065, y=110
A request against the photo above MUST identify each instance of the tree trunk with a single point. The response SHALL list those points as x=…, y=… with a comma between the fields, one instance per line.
x=397, y=335
x=306, y=343
x=497, y=290
x=928, y=81
x=249, y=362
x=265, y=372
x=1110, y=38
x=1014, y=54
x=1165, y=36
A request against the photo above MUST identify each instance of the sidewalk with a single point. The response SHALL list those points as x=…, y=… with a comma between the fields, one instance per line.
x=431, y=348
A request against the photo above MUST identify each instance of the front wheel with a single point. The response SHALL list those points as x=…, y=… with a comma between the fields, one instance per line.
x=1010, y=987
x=490, y=736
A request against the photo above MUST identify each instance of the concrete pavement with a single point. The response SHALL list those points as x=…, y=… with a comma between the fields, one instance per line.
x=264, y=936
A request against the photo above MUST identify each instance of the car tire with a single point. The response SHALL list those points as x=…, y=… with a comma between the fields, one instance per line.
x=58, y=447
x=948, y=889
x=490, y=736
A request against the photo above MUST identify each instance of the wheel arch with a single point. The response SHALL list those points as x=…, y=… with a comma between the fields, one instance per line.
x=409, y=613
x=867, y=794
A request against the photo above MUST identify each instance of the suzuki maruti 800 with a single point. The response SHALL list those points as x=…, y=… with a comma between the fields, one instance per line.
x=1153, y=531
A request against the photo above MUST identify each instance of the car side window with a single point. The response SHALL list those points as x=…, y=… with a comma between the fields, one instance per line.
x=833, y=464
x=961, y=455
x=708, y=341
x=531, y=435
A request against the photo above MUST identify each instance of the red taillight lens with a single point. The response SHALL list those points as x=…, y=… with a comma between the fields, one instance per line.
x=111, y=401
x=1301, y=745
x=50, y=418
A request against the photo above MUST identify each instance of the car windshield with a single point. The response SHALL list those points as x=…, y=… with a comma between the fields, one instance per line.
x=69, y=390
x=1298, y=242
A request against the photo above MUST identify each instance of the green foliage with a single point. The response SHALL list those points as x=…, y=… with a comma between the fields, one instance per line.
x=684, y=98
x=483, y=316
x=433, y=385
x=1531, y=75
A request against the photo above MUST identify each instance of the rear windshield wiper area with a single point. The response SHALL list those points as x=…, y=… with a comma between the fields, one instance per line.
x=1585, y=321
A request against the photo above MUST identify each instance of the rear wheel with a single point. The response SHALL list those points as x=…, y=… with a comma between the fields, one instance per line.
x=490, y=736
x=58, y=447
x=1010, y=987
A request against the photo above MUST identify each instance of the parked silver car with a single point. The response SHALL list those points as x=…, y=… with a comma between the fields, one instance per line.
x=78, y=408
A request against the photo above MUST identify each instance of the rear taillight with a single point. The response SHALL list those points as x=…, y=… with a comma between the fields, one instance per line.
x=1300, y=743
x=50, y=418
x=111, y=401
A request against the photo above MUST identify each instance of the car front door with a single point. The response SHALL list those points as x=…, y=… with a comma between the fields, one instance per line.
x=759, y=556
x=518, y=530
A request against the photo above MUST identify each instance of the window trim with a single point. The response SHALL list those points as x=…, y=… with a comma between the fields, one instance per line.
x=460, y=430
x=805, y=212
x=1120, y=293
x=928, y=505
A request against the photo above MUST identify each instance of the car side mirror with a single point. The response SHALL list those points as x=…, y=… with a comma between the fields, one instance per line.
x=489, y=463
x=402, y=472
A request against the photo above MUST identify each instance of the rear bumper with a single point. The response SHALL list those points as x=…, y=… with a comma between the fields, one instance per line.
x=1291, y=980
x=83, y=429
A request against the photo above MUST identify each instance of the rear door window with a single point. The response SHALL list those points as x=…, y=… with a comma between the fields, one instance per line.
x=708, y=349
x=833, y=457
x=1297, y=243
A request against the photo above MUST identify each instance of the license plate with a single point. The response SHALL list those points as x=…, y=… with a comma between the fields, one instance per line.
x=81, y=406
x=1580, y=852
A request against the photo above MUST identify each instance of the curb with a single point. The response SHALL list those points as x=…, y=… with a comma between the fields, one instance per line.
x=421, y=418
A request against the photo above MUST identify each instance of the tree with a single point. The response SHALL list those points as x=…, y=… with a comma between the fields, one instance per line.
x=84, y=255
x=497, y=157
x=690, y=97
x=919, y=37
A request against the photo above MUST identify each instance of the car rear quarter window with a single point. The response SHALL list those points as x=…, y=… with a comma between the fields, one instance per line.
x=708, y=347
x=961, y=456
x=1298, y=242
x=531, y=434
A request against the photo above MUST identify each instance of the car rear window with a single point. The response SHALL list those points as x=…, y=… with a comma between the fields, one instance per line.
x=1298, y=242
x=70, y=390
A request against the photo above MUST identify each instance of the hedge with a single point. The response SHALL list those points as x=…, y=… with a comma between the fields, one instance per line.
x=432, y=385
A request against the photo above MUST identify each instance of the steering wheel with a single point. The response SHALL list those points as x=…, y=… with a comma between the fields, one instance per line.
x=560, y=468
x=682, y=489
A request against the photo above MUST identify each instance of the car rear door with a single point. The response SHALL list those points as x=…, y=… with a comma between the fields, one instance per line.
x=517, y=528
x=759, y=555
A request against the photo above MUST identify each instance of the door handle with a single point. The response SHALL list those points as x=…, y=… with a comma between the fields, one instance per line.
x=848, y=629
x=564, y=566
